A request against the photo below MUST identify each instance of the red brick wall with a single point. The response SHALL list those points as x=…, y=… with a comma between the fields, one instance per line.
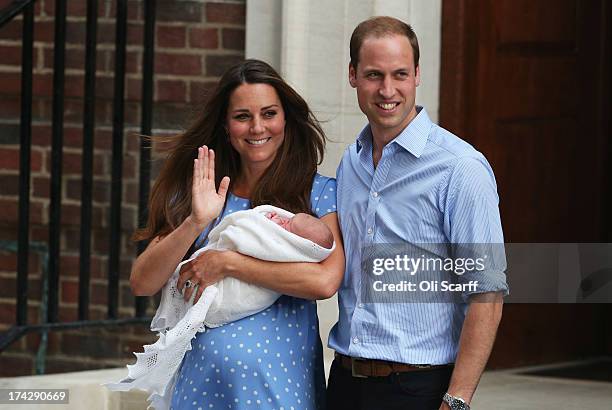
x=195, y=42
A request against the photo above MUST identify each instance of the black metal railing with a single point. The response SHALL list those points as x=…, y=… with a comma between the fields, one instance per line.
x=89, y=107
x=51, y=250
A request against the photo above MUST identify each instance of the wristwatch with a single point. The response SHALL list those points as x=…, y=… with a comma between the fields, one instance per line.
x=455, y=403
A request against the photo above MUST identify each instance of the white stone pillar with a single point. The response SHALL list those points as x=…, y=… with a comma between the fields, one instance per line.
x=263, y=31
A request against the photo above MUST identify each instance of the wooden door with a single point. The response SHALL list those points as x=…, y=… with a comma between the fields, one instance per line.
x=528, y=84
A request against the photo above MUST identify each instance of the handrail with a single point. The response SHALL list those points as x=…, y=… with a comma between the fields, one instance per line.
x=13, y=10
x=15, y=332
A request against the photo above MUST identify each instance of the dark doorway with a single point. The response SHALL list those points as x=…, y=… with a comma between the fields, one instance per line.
x=528, y=84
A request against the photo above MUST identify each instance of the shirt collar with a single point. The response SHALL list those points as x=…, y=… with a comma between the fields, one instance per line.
x=413, y=138
x=364, y=139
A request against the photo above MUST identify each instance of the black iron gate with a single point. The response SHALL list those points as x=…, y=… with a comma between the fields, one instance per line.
x=51, y=249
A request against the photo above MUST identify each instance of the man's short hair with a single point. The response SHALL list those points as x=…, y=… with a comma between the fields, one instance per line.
x=381, y=26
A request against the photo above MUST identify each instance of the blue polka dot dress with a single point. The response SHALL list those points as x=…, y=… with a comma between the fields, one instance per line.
x=270, y=360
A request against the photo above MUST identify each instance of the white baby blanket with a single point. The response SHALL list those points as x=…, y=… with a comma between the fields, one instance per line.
x=248, y=232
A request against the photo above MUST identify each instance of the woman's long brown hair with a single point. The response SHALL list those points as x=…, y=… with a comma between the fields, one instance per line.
x=286, y=183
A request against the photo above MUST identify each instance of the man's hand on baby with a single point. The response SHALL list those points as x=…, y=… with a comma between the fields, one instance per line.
x=208, y=268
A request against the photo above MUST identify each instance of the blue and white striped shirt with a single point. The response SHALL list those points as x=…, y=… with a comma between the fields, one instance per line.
x=428, y=187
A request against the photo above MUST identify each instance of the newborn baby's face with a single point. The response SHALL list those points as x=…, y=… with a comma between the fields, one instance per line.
x=299, y=223
x=313, y=229
x=305, y=226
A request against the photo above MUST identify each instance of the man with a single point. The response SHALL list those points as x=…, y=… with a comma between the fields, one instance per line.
x=408, y=181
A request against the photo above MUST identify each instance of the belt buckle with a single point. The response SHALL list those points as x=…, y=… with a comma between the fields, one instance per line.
x=354, y=371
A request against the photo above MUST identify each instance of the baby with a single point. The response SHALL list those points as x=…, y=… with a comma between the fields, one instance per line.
x=306, y=226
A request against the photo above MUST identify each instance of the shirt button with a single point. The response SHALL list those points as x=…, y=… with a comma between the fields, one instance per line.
x=370, y=230
x=355, y=340
x=375, y=194
x=360, y=305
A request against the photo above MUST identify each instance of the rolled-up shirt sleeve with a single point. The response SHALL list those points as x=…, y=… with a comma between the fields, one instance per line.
x=473, y=224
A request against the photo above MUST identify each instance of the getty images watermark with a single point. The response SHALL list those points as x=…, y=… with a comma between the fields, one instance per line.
x=451, y=273
x=430, y=272
x=412, y=266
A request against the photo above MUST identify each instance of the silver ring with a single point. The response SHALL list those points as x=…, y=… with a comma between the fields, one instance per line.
x=188, y=283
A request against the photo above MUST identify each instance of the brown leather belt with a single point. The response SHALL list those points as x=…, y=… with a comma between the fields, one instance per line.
x=380, y=368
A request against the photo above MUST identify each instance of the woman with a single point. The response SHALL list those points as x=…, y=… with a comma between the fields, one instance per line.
x=266, y=144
